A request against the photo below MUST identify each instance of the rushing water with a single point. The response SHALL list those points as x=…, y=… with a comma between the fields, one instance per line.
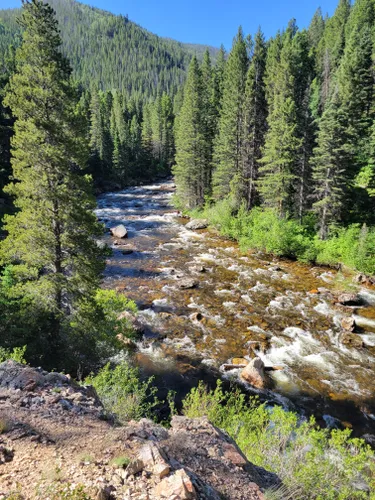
x=240, y=304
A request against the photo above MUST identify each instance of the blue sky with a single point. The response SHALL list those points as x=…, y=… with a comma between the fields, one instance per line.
x=210, y=22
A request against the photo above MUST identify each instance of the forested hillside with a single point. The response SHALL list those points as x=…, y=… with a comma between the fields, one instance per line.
x=111, y=51
x=291, y=151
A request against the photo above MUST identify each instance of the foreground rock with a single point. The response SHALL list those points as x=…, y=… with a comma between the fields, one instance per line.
x=119, y=231
x=53, y=424
x=254, y=374
x=197, y=224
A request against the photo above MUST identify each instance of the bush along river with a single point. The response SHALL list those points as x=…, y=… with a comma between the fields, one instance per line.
x=207, y=309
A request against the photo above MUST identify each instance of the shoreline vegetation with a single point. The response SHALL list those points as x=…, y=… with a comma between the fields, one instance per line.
x=351, y=248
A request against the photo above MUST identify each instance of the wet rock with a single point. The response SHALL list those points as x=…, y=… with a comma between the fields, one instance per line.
x=352, y=340
x=349, y=299
x=178, y=486
x=119, y=231
x=197, y=224
x=165, y=315
x=348, y=324
x=239, y=361
x=227, y=367
x=187, y=284
x=197, y=316
x=127, y=251
x=362, y=279
x=254, y=373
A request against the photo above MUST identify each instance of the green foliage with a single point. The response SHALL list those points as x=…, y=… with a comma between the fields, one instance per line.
x=120, y=462
x=60, y=490
x=313, y=463
x=17, y=354
x=265, y=230
x=123, y=393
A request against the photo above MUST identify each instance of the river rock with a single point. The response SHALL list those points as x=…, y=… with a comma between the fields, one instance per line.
x=197, y=224
x=349, y=299
x=364, y=280
x=187, y=284
x=351, y=340
x=254, y=374
x=127, y=251
x=348, y=324
x=197, y=316
x=119, y=231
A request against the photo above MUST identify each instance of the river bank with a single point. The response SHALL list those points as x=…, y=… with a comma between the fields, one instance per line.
x=202, y=303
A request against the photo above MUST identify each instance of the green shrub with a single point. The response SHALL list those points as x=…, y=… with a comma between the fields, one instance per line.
x=123, y=393
x=313, y=463
x=17, y=354
x=263, y=230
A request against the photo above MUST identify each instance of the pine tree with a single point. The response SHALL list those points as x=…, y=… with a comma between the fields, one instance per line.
x=228, y=152
x=254, y=121
x=209, y=118
x=190, y=142
x=167, y=134
x=120, y=139
x=282, y=144
x=331, y=165
x=56, y=263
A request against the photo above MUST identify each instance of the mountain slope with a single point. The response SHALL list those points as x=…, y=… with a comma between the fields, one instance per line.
x=110, y=51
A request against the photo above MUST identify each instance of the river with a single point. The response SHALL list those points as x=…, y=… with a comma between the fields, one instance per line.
x=240, y=304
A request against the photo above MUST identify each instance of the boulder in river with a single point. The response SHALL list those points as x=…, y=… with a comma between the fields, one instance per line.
x=348, y=323
x=187, y=284
x=119, y=231
x=352, y=340
x=254, y=373
x=127, y=251
x=197, y=224
x=349, y=299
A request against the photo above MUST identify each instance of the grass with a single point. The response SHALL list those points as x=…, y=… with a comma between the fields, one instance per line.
x=120, y=462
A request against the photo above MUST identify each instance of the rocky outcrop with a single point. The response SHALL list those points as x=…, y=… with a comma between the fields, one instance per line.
x=119, y=231
x=254, y=373
x=197, y=224
x=52, y=424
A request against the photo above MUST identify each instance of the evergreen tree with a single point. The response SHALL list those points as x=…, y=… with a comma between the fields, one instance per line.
x=331, y=165
x=254, y=121
x=167, y=133
x=228, y=148
x=190, y=142
x=209, y=113
x=56, y=263
x=282, y=144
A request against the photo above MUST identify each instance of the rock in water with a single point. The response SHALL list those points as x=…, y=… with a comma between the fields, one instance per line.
x=349, y=299
x=197, y=224
x=119, y=231
x=254, y=374
x=351, y=340
x=348, y=324
x=187, y=284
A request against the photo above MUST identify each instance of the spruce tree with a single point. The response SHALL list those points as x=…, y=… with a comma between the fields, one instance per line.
x=331, y=165
x=228, y=148
x=190, y=142
x=50, y=243
x=282, y=144
x=254, y=121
